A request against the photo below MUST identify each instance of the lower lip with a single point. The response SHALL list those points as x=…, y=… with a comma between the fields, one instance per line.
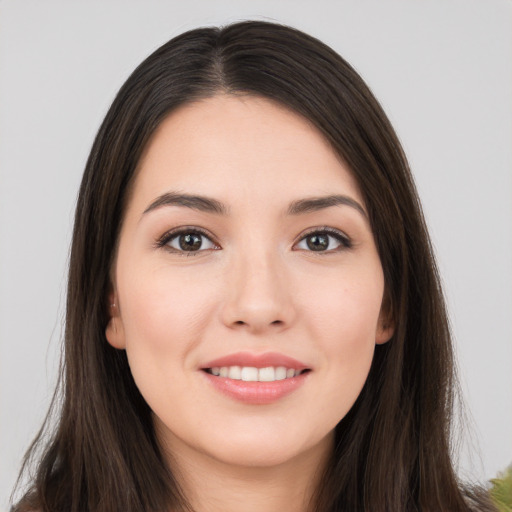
x=256, y=393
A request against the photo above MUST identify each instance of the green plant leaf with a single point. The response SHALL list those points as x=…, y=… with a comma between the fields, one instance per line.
x=501, y=490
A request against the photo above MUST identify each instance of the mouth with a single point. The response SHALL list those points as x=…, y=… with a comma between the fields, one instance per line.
x=256, y=378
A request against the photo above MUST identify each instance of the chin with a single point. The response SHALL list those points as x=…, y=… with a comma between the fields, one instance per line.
x=256, y=455
x=267, y=448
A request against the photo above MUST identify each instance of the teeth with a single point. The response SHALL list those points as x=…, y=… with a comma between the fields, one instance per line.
x=235, y=372
x=267, y=374
x=280, y=373
x=252, y=374
x=249, y=374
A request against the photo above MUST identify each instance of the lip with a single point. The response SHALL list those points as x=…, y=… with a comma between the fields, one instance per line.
x=256, y=393
x=256, y=361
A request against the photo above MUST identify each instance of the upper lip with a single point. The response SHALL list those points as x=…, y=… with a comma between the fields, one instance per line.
x=256, y=361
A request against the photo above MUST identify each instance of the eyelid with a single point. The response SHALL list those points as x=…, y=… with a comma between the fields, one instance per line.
x=344, y=240
x=163, y=241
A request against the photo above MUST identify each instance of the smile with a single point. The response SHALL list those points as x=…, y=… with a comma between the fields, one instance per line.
x=253, y=374
x=256, y=379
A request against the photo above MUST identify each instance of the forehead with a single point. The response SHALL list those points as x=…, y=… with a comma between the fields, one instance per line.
x=240, y=147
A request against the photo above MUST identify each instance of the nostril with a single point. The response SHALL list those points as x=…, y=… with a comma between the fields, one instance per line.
x=275, y=322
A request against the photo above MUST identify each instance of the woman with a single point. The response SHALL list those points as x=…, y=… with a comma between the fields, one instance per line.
x=254, y=316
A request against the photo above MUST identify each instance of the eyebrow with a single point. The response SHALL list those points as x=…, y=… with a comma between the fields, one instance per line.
x=315, y=204
x=200, y=203
x=210, y=205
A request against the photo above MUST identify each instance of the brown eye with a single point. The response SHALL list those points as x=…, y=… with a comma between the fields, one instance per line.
x=317, y=242
x=324, y=241
x=189, y=241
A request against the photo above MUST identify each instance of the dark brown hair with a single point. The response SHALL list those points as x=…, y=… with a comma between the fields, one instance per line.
x=392, y=450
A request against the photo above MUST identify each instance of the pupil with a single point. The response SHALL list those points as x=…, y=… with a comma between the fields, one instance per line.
x=190, y=242
x=318, y=242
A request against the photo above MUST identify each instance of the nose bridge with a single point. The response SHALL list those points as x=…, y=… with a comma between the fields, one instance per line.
x=257, y=297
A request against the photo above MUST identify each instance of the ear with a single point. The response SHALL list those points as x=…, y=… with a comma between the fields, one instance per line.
x=386, y=324
x=114, y=331
x=385, y=331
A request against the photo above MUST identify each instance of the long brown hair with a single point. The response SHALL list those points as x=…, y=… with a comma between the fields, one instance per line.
x=392, y=450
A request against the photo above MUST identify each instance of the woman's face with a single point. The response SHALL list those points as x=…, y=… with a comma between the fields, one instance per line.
x=247, y=285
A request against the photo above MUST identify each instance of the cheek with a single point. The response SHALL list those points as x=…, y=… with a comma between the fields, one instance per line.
x=343, y=318
x=161, y=303
x=164, y=318
x=344, y=308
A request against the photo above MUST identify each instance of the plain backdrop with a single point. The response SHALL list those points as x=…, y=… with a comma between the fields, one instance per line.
x=442, y=70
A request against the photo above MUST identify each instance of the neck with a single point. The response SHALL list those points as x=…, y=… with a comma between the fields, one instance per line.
x=214, y=486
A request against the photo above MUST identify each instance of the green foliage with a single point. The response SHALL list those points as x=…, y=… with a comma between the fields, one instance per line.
x=501, y=490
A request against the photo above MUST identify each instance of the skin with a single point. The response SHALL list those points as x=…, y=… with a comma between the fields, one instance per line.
x=254, y=286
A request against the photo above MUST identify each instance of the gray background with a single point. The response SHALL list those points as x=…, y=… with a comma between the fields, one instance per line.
x=442, y=70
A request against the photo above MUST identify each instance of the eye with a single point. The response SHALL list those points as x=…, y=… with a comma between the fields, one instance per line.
x=325, y=240
x=187, y=241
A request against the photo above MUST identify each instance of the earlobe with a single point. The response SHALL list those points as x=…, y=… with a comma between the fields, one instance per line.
x=386, y=325
x=114, y=332
x=384, y=333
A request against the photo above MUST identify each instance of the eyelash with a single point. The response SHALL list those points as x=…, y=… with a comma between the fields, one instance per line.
x=166, y=238
x=344, y=240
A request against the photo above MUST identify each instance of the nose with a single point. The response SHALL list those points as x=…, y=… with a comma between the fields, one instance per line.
x=258, y=295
